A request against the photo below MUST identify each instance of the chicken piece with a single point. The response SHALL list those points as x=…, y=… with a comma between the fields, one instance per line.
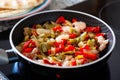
x=43, y=31
x=79, y=26
x=102, y=42
x=62, y=36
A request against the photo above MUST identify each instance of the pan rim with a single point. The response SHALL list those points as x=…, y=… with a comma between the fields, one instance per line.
x=59, y=67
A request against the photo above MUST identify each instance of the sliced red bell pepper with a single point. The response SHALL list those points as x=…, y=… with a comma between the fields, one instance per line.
x=27, y=50
x=28, y=46
x=51, y=63
x=100, y=34
x=73, y=63
x=86, y=47
x=69, y=48
x=57, y=29
x=48, y=62
x=63, y=42
x=68, y=43
x=74, y=20
x=92, y=56
x=56, y=44
x=78, y=53
x=49, y=51
x=61, y=47
x=93, y=29
x=60, y=20
x=72, y=35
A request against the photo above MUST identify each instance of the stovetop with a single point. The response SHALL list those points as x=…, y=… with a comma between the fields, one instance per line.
x=107, y=10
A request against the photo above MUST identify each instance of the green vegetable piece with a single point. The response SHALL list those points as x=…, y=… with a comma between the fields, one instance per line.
x=26, y=38
x=39, y=26
x=43, y=48
x=91, y=42
x=67, y=53
x=91, y=35
x=40, y=56
x=83, y=36
x=72, y=41
x=77, y=39
x=48, y=25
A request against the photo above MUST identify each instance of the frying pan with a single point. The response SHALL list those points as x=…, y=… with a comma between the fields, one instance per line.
x=16, y=37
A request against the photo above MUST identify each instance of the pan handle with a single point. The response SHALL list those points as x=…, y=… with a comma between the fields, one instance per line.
x=7, y=56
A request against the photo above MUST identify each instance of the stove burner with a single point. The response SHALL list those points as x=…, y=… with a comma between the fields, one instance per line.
x=23, y=72
x=110, y=13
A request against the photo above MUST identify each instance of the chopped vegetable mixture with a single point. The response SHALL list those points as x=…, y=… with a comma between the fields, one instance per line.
x=63, y=42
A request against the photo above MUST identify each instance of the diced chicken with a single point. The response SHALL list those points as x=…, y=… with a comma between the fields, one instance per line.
x=50, y=41
x=102, y=42
x=39, y=61
x=68, y=57
x=66, y=29
x=53, y=50
x=42, y=31
x=66, y=63
x=102, y=46
x=79, y=26
x=62, y=36
x=80, y=44
x=67, y=60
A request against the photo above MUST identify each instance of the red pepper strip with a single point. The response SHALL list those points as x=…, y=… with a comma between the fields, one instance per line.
x=27, y=50
x=73, y=63
x=48, y=62
x=51, y=63
x=93, y=29
x=57, y=50
x=60, y=20
x=100, y=34
x=68, y=43
x=28, y=46
x=81, y=49
x=74, y=20
x=49, y=51
x=86, y=47
x=72, y=36
x=78, y=53
x=63, y=42
x=61, y=47
x=92, y=56
x=57, y=29
x=59, y=64
x=69, y=48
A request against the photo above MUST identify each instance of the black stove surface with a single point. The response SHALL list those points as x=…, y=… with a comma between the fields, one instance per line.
x=107, y=10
